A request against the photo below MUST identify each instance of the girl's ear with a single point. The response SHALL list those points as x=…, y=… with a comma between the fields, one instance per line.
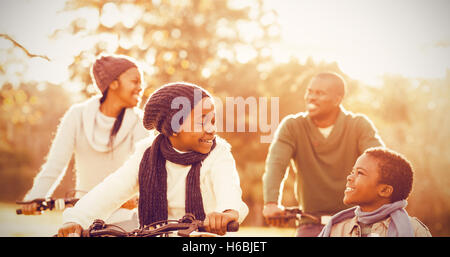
x=385, y=190
x=114, y=85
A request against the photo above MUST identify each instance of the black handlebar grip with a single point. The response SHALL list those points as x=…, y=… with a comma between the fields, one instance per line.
x=19, y=211
x=233, y=226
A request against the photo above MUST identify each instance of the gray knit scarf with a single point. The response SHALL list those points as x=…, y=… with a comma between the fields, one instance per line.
x=400, y=225
x=153, y=181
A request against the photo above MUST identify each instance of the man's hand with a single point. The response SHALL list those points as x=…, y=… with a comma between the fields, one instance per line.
x=70, y=229
x=216, y=222
x=271, y=213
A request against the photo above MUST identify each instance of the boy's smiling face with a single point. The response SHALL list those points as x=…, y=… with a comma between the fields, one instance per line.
x=198, y=130
x=363, y=187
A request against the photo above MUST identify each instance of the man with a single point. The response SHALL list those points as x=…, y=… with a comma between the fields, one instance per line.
x=323, y=143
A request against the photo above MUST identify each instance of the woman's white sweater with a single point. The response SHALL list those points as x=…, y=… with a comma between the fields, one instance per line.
x=219, y=184
x=80, y=132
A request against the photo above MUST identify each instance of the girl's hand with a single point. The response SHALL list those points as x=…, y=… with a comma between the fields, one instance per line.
x=30, y=209
x=70, y=229
x=216, y=222
x=131, y=204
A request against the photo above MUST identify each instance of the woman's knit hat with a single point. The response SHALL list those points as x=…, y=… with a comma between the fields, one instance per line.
x=167, y=101
x=106, y=69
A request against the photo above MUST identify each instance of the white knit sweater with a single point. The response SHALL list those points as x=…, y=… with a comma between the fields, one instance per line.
x=219, y=184
x=80, y=133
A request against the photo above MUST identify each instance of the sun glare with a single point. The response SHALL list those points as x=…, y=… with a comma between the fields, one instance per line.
x=369, y=38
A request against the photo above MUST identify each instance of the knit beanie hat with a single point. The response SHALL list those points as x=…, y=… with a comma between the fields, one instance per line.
x=167, y=101
x=108, y=68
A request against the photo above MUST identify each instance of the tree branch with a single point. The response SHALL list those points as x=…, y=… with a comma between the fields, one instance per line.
x=23, y=48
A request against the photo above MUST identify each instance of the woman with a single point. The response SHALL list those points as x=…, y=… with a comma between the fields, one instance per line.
x=100, y=131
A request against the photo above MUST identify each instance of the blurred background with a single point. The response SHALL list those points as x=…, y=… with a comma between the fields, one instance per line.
x=395, y=56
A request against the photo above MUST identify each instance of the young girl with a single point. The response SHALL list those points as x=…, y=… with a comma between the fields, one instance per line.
x=185, y=169
x=379, y=185
x=101, y=132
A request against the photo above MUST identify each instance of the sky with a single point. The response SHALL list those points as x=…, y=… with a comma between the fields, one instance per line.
x=30, y=22
x=367, y=38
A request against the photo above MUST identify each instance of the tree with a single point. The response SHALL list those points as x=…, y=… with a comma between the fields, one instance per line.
x=197, y=41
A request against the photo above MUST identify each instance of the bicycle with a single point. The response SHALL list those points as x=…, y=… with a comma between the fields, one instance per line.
x=184, y=227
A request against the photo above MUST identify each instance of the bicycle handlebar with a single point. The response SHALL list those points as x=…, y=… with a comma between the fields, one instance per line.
x=58, y=204
x=185, y=226
x=294, y=213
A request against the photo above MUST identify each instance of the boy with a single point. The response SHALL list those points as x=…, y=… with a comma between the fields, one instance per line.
x=379, y=185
